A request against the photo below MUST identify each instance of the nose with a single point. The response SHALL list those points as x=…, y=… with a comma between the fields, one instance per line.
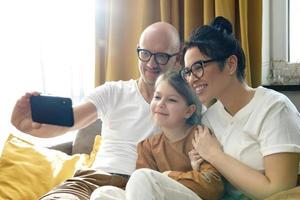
x=161, y=103
x=152, y=63
x=193, y=78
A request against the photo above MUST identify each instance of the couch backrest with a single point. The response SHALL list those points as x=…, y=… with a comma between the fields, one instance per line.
x=84, y=140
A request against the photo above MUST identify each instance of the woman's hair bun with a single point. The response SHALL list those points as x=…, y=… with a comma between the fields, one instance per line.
x=222, y=24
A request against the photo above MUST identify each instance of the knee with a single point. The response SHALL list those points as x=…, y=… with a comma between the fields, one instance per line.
x=99, y=192
x=141, y=177
x=146, y=182
x=107, y=192
x=141, y=174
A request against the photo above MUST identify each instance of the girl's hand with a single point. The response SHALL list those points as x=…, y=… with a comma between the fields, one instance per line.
x=166, y=173
x=205, y=143
x=196, y=159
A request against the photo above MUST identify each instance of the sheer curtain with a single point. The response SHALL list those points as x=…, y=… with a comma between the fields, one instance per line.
x=46, y=46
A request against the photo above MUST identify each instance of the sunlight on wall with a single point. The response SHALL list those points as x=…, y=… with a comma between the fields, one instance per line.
x=46, y=46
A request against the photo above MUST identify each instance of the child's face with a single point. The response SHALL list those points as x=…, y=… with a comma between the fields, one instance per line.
x=168, y=108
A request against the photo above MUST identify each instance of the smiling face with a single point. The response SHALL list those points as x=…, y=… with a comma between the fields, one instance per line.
x=150, y=70
x=168, y=108
x=158, y=38
x=213, y=82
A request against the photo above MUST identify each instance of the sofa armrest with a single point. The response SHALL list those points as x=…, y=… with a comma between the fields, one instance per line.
x=83, y=142
x=85, y=138
x=64, y=147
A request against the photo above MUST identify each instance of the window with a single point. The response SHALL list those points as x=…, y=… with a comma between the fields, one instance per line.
x=46, y=46
x=280, y=49
x=294, y=31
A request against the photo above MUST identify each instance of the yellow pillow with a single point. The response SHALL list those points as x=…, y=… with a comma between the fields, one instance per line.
x=28, y=172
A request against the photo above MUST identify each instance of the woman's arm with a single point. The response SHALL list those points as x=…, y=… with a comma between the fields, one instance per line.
x=280, y=169
x=280, y=174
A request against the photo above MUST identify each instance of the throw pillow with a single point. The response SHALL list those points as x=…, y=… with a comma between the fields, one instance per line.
x=28, y=172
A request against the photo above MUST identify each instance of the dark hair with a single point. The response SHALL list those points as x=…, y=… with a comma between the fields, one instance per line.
x=217, y=41
x=175, y=80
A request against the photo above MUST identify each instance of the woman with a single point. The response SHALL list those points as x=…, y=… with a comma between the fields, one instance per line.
x=256, y=140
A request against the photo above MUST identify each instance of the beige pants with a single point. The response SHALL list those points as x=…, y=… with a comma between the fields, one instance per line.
x=84, y=182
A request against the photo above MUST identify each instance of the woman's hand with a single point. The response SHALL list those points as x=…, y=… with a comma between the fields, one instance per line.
x=196, y=159
x=206, y=143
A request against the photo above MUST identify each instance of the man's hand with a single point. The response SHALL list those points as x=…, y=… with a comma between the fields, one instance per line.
x=196, y=159
x=21, y=115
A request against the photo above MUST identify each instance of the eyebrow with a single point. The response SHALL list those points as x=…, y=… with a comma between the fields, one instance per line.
x=177, y=95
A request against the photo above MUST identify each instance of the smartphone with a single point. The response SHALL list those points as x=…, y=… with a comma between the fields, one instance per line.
x=52, y=110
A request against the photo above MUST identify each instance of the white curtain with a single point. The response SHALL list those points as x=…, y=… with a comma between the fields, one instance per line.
x=46, y=46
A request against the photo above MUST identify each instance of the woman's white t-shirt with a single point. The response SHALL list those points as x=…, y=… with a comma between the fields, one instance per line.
x=268, y=124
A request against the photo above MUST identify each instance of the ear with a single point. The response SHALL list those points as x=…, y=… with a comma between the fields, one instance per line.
x=178, y=62
x=189, y=112
x=232, y=63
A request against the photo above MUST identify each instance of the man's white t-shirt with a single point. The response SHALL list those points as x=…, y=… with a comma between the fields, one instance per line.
x=126, y=120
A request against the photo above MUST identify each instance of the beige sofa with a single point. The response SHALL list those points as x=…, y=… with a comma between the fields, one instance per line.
x=84, y=141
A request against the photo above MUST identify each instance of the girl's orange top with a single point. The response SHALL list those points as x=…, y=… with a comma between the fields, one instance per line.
x=159, y=154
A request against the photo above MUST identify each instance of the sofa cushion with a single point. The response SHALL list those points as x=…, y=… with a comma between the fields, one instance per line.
x=28, y=171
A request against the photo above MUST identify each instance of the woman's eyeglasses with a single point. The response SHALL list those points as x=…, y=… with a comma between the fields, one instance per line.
x=197, y=69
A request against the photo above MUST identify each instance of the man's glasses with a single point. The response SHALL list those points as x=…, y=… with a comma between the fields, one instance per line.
x=197, y=69
x=159, y=57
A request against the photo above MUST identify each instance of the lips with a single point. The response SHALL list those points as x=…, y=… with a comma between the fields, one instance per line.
x=199, y=88
x=153, y=70
x=161, y=113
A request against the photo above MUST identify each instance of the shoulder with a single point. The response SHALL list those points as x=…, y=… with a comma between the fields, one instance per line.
x=111, y=92
x=153, y=140
x=264, y=100
x=119, y=85
x=270, y=100
x=112, y=88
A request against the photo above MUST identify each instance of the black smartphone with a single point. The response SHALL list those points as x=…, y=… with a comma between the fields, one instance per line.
x=52, y=110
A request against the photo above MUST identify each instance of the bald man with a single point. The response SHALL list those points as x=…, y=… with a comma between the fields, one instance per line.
x=123, y=108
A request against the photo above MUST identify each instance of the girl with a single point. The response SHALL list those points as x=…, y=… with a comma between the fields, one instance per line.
x=168, y=167
x=258, y=129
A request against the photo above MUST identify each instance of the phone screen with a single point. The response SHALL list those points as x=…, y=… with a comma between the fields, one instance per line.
x=52, y=110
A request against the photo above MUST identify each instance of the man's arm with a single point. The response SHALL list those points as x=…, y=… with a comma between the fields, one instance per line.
x=84, y=114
